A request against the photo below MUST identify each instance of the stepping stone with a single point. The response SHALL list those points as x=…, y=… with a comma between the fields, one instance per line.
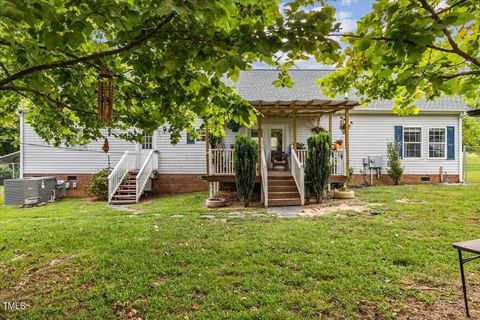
x=207, y=216
x=290, y=216
x=235, y=217
x=258, y=215
x=177, y=216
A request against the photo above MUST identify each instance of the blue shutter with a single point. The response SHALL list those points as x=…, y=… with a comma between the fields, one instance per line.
x=450, y=143
x=190, y=140
x=399, y=137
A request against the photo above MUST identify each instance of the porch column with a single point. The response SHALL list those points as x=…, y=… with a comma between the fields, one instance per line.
x=294, y=131
x=207, y=153
x=260, y=139
x=347, y=142
x=330, y=123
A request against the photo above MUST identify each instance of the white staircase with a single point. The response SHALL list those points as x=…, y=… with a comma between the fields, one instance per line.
x=127, y=182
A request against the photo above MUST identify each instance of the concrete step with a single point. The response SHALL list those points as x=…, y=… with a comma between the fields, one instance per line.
x=279, y=183
x=282, y=188
x=284, y=202
x=283, y=195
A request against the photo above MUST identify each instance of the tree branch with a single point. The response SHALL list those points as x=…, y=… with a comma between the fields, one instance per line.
x=451, y=7
x=94, y=56
x=4, y=69
x=351, y=35
x=461, y=74
x=42, y=95
x=448, y=35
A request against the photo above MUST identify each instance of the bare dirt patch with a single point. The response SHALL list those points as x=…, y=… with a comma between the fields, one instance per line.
x=333, y=206
x=37, y=277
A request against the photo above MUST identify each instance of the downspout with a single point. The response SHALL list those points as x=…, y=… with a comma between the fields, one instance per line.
x=460, y=147
x=22, y=123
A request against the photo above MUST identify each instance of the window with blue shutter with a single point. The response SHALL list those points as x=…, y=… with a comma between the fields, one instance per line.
x=450, y=143
x=399, y=138
x=190, y=139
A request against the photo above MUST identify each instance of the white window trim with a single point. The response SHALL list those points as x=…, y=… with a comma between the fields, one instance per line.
x=421, y=142
x=428, y=141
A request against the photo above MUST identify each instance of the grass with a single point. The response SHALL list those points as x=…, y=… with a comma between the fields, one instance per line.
x=473, y=167
x=74, y=259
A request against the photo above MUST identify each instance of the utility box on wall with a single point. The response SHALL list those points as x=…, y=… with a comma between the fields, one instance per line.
x=32, y=190
x=375, y=162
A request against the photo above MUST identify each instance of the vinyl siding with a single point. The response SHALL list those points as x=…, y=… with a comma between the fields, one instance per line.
x=39, y=157
x=368, y=137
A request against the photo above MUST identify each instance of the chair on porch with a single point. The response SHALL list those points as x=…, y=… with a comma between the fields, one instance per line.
x=279, y=159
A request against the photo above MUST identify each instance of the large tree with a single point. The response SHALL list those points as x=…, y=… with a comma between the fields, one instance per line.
x=406, y=49
x=167, y=59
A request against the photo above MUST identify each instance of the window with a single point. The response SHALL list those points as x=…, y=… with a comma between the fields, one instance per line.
x=254, y=134
x=436, y=142
x=201, y=136
x=147, y=143
x=412, y=142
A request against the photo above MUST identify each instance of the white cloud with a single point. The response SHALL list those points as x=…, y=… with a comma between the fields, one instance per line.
x=347, y=24
x=347, y=2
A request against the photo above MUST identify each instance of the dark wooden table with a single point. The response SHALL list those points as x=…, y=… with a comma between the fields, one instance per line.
x=471, y=246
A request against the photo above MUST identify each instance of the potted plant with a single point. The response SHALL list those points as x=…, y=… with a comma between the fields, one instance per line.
x=338, y=145
x=344, y=192
x=300, y=145
x=232, y=125
x=214, y=201
x=318, y=129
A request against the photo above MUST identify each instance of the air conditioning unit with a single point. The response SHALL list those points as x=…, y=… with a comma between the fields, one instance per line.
x=32, y=190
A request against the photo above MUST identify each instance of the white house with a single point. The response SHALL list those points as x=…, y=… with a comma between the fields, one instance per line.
x=431, y=145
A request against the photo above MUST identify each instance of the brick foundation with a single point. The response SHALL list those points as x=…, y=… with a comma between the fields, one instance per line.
x=185, y=183
x=82, y=181
x=178, y=183
x=358, y=179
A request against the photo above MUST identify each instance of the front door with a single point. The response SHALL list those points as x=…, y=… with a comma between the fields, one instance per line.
x=275, y=140
x=143, y=149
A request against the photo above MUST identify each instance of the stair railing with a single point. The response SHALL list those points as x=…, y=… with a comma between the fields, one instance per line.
x=118, y=173
x=149, y=165
x=264, y=177
x=298, y=173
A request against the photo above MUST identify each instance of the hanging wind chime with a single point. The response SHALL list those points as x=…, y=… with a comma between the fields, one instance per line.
x=105, y=104
x=105, y=96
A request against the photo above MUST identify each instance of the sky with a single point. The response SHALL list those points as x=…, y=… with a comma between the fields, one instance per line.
x=347, y=13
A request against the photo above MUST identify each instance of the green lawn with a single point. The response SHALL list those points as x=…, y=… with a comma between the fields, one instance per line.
x=74, y=259
x=473, y=168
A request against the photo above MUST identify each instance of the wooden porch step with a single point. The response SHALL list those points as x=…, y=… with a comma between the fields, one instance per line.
x=283, y=182
x=124, y=191
x=119, y=202
x=127, y=186
x=283, y=195
x=129, y=181
x=124, y=196
x=282, y=188
x=271, y=178
x=284, y=202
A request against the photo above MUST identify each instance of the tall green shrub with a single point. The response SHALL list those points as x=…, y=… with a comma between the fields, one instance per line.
x=246, y=155
x=318, y=165
x=395, y=169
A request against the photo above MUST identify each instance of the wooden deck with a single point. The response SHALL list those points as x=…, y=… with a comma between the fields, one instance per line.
x=231, y=178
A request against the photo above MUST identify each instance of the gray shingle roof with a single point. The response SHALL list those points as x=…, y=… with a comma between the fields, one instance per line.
x=257, y=85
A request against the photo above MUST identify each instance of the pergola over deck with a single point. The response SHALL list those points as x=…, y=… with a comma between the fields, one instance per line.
x=291, y=110
x=305, y=108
